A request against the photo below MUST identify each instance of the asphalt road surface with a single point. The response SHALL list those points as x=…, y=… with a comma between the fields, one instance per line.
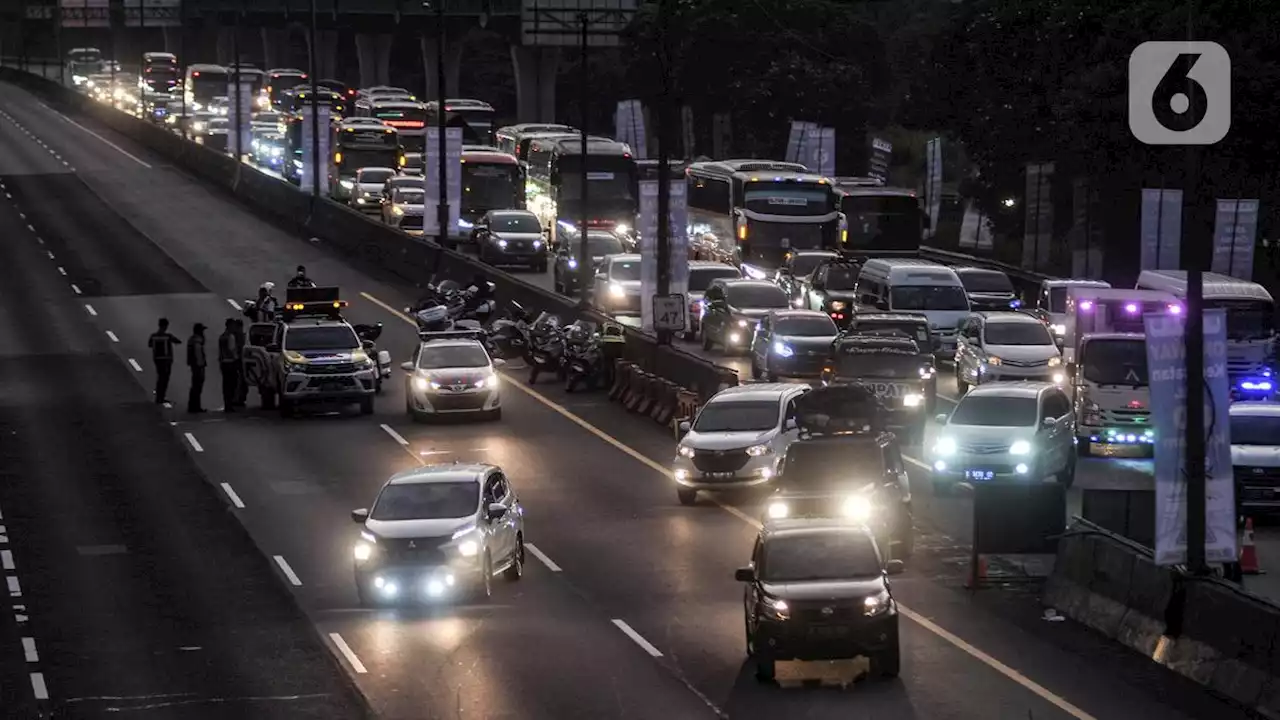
x=628, y=608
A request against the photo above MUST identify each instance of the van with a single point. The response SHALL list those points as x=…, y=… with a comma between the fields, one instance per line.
x=915, y=286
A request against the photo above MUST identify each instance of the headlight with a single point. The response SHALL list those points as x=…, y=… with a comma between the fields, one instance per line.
x=276, y=152
x=487, y=381
x=912, y=400
x=469, y=548
x=857, y=508
x=1059, y=378
x=838, y=305
x=617, y=290
x=1059, y=329
x=537, y=244
x=993, y=360
x=573, y=263
x=347, y=184
x=758, y=450
x=465, y=224
x=1055, y=361
x=397, y=210
x=363, y=551
x=876, y=604
x=778, y=510
x=621, y=228
x=502, y=244
x=420, y=384
x=198, y=126
x=775, y=607
x=743, y=323
x=1021, y=447
x=945, y=446
x=781, y=349
x=926, y=372
x=685, y=451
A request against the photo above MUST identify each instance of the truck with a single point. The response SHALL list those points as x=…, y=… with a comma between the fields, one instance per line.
x=310, y=355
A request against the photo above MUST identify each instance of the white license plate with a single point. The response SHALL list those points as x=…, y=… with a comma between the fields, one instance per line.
x=979, y=474
x=718, y=475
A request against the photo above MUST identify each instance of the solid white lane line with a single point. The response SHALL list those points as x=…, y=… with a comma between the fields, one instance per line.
x=288, y=571
x=6, y=559
x=119, y=149
x=235, y=499
x=347, y=653
x=134, y=364
x=112, y=336
x=234, y=304
x=29, y=649
x=76, y=289
x=62, y=270
x=89, y=307
x=542, y=557
x=395, y=435
x=195, y=444
x=637, y=638
x=38, y=687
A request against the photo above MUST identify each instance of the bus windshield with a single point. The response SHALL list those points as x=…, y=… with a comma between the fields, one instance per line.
x=1115, y=362
x=207, y=85
x=280, y=83
x=883, y=222
x=787, y=198
x=488, y=186
x=401, y=116
x=609, y=178
x=1247, y=319
x=478, y=120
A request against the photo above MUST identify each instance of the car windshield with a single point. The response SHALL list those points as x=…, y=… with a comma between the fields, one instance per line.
x=1115, y=362
x=427, y=501
x=514, y=223
x=1017, y=333
x=842, y=277
x=378, y=176
x=733, y=416
x=1247, y=319
x=764, y=297
x=995, y=411
x=409, y=197
x=332, y=337
x=700, y=278
x=986, y=282
x=928, y=297
x=815, y=326
x=625, y=270
x=1255, y=430
x=802, y=265
x=871, y=365
x=599, y=244
x=814, y=556
x=816, y=464
x=1057, y=300
x=452, y=356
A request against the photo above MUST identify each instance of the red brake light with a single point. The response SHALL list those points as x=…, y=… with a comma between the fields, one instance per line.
x=196, y=74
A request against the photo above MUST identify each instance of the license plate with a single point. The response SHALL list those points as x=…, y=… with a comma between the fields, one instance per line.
x=828, y=632
x=540, y=360
x=579, y=368
x=717, y=475
x=979, y=474
x=332, y=385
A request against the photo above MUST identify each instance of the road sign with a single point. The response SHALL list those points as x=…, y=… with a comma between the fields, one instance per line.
x=558, y=23
x=86, y=13
x=669, y=313
x=157, y=13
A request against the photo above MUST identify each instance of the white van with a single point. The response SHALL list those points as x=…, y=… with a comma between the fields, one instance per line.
x=1051, y=303
x=916, y=286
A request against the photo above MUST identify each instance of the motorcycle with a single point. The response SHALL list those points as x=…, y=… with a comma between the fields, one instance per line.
x=582, y=356
x=546, y=347
x=508, y=337
x=369, y=335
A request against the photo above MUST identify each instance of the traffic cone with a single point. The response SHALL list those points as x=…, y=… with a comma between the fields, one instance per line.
x=1248, y=551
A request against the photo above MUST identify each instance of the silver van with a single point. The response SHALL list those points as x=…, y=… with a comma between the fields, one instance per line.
x=916, y=286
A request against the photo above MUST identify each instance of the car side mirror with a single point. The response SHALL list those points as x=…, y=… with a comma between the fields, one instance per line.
x=940, y=418
x=684, y=427
x=895, y=567
x=499, y=362
x=790, y=424
x=1048, y=423
x=406, y=366
x=360, y=516
x=744, y=574
x=497, y=511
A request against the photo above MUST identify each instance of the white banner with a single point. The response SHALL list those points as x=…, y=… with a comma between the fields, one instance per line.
x=628, y=121
x=1161, y=229
x=812, y=146
x=1037, y=231
x=975, y=228
x=242, y=123
x=308, y=143
x=647, y=225
x=431, y=180
x=933, y=184
x=1235, y=232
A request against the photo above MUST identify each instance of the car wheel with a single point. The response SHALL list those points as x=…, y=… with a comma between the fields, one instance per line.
x=751, y=645
x=766, y=669
x=516, y=570
x=887, y=663
x=906, y=546
x=687, y=496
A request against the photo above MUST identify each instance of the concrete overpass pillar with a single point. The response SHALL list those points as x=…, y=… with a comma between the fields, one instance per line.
x=536, y=70
x=374, y=54
x=452, y=65
x=275, y=47
x=173, y=41
x=326, y=53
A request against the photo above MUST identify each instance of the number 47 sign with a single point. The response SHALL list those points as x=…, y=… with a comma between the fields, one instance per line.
x=669, y=313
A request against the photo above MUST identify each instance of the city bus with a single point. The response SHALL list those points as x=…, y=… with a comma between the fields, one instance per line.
x=358, y=145
x=555, y=184
x=512, y=138
x=879, y=218
x=255, y=79
x=475, y=117
x=83, y=62
x=159, y=72
x=294, y=100
x=756, y=211
x=1251, y=330
x=408, y=117
x=203, y=83
x=490, y=181
x=279, y=81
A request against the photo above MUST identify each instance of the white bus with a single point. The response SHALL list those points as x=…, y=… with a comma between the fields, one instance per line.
x=203, y=83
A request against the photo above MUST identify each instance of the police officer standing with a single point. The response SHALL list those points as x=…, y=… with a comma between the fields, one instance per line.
x=229, y=365
x=196, y=361
x=162, y=342
x=300, y=279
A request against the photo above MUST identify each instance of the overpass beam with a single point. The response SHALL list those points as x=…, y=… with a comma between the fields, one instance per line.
x=452, y=65
x=536, y=70
x=326, y=52
x=275, y=47
x=374, y=54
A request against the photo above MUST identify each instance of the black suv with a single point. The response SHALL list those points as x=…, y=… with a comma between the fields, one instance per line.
x=911, y=325
x=845, y=465
x=891, y=368
x=817, y=590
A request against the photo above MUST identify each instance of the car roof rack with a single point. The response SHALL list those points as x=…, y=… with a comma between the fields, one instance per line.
x=317, y=302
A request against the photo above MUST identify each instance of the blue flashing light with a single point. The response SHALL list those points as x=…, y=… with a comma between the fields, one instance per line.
x=1260, y=386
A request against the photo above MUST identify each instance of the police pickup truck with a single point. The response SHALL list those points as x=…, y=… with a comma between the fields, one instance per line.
x=310, y=355
x=890, y=366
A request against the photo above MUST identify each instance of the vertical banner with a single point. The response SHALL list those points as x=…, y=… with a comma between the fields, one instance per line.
x=647, y=225
x=1161, y=229
x=1037, y=228
x=1087, y=247
x=822, y=153
x=721, y=135
x=933, y=184
x=879, y=155
x=975, y=228
x=242, y=123
x=431, y=180
x=326, y=148
x=687, y=132
x=629, y=127
x=1235, y=230
x=1166, y=361
x=796, y=141
x=308, y=144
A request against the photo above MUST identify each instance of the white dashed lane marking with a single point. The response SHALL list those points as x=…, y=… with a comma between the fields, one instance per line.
x=231, y=493
x=38, y=687
x=288, y=571
x=29, y=649
x=395, y=435
x=542, y=557
x=134, y=364
x=195, y=444
x=91, y=310
x=113, y=336
x=6, y=559
x=234, y=304
x=347, y=653
x=637, y=638
x=76, y=289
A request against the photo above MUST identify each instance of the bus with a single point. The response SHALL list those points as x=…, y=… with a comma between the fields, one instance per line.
x=203, y=83
x=159, y=72
x=879, y=218
x=358, y=145
x=1251, y=330
x=294, y=100
x=756, y=211
x=555, y=184
x=279, y=81
x=475, y=117
x=296, y=155
x=255, y=79
x=511, y=138
x=83, y=62
x=408, y=117
x=491, y=180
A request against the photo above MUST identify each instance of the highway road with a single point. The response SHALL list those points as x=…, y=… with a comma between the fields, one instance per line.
x=628, y=608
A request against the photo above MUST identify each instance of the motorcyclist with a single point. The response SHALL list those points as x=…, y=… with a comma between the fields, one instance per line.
x=300, y=279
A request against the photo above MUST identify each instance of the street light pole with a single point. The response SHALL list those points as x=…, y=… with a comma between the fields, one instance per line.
x=664, y=173
x=235, y=80
x=585, y=269
x=315, y=107
x=442, y=146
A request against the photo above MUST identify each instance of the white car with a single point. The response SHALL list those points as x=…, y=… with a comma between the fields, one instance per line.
x=1020, y=431
x=617, y=286
x=366, y=187
x=404, y=209
x=1255, y=455
x=452, y=375
x=737, y=440
x=999, y=346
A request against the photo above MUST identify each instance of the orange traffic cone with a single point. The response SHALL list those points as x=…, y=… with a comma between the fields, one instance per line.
x=1248, y=551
